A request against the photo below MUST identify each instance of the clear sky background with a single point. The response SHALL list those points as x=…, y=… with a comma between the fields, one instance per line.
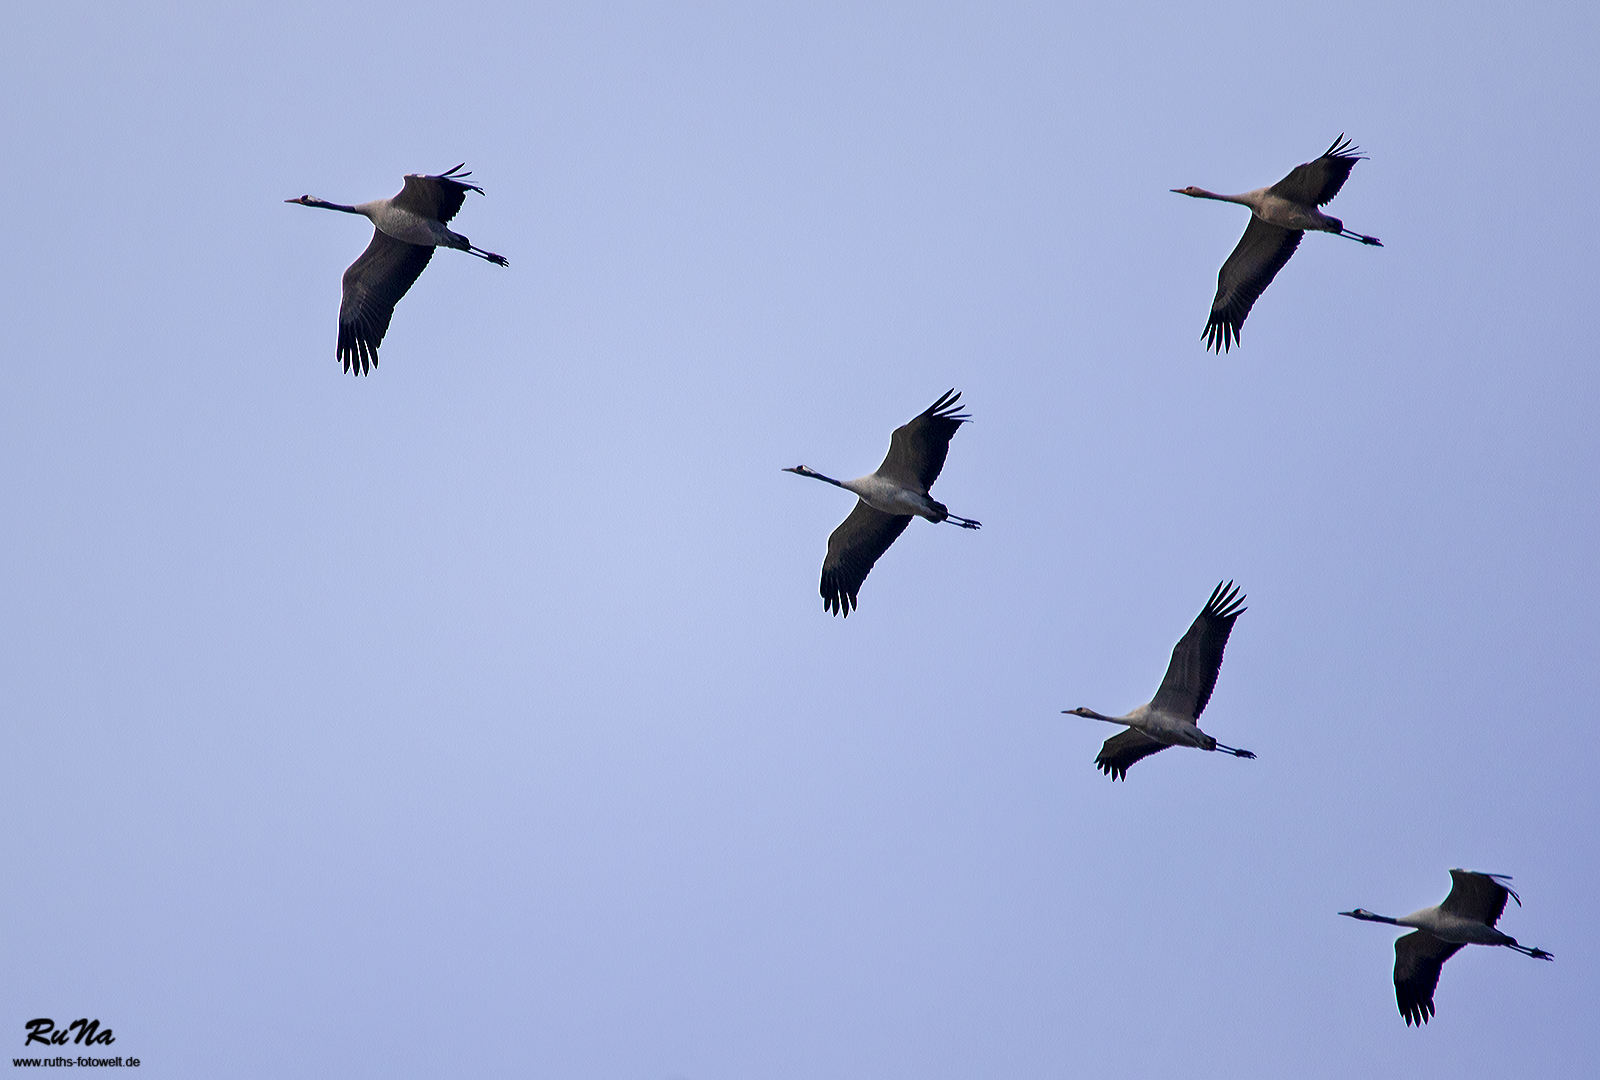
x=481, y=718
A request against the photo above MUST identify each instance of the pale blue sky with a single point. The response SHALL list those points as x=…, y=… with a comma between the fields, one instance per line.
x=480, y=717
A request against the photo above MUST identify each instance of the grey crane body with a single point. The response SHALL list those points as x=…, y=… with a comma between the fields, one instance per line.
x=402, y=224
x=1284, y=213
x=1169, y=718
x=889, y=496
x=887, y=500
x=406, y=229
x=1164, y=726
x=1279, y=216
x=1466, y=917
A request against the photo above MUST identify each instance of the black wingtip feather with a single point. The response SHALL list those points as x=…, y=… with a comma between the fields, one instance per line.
x=1220, y=335
x=1225, y=602
x=357, y=355
x=1342, y=148
x=836, y=598
x=947, y=408
x=458, y=178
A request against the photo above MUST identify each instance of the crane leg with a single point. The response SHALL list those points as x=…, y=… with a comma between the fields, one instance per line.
x=965, y=523
x=1235, y=751
x=1373, y=240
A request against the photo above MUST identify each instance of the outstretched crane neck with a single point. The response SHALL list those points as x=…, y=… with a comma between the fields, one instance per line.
x=1366, y=916
x=312, y=200
x=1247, y=199
x=801, y=470
x=1090, y=714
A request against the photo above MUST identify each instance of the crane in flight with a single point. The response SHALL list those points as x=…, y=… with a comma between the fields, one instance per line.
x=1279, y=217
x=1169, y=718
x=406, y=229
x=1466, y=917
x=887, y=501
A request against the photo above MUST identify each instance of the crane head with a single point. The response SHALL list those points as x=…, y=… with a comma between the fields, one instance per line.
x=801, y=470
x=1088, y=714
x=1190, y=191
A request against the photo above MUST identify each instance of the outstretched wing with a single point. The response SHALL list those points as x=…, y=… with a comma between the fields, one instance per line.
x=852, y=549
x=917, y=450
x=1123, y=750
x=1262, y=252
x=1418, y=956
x=373, y=285
x=1316, y=182
x=438, y=197
x=1475, y=895
x=1197, y=658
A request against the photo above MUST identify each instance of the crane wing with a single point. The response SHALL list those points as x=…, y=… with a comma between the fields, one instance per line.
x=1418, y=956
x=1316, y=182
x=1196, y=659
x=1123, y=750
x=1478, y=896
x=373, y=285
x=438, y=197
x=1262, y=252
x=917, y=450
x=852, y=549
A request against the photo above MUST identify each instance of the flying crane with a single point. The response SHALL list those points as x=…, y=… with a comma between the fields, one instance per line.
x=1169, y=718
x=887, y=501
x=406, y=230
x=1465, y=917
x=1279, y=216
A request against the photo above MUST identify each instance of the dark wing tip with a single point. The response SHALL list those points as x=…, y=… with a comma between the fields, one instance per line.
x=836, y=595
x=1123, y=750
x=356, y=350
x=1342, y=148
x=1221, y=333
x=1226, y=602
x=1111, y=768
x=1416, y=1012
x=947, y=408
x=457, y=177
